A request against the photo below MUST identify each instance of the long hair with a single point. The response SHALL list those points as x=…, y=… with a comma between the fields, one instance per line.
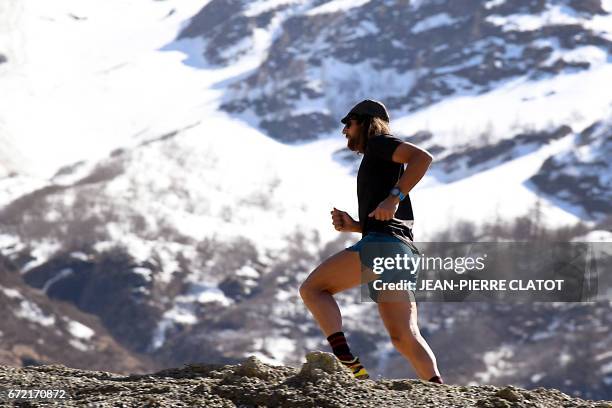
x=370, y=126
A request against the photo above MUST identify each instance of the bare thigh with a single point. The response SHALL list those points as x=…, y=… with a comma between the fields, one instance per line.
x=339, y=272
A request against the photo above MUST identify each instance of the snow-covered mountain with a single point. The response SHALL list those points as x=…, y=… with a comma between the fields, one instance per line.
x=321, y=56
x=475, y=74
x=169, y=167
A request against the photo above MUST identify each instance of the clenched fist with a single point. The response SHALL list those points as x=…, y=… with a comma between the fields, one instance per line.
x=344, y=222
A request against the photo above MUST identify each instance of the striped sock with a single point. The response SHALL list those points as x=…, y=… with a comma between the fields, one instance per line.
x=340, y=347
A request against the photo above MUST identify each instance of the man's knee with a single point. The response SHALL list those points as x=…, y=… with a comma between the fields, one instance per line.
x=309, y=290
x=305, y=289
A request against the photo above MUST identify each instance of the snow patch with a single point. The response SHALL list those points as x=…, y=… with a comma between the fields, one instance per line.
x=204, y=292
x=80, y=256
x=144, y=272
x=79, y=345
x=565, y=358
x=497, y=364
x=595, y=236
x=10, y=292
x=247, y=271
x=79, y=330
x=336, y=6
x=41, y=252
x=259, y=7
x=493, y=3
x=273, y=350
x=554, y=15
x=589, y=53
x=435, y=21
x=17, y=186
x=283, y=295
x=31, y=311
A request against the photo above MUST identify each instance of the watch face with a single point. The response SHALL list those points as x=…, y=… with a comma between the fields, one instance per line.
x=395, y=191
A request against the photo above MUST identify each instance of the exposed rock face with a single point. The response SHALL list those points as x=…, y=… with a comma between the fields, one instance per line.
x=409, y=55
x=106, y=286
x=321, y=382
x=581, y=175
x=38, y=330
x=472, y=160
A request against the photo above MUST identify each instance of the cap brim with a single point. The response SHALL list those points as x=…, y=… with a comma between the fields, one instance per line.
x=345, y=119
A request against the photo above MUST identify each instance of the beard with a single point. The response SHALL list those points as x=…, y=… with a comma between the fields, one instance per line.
x=353, y=143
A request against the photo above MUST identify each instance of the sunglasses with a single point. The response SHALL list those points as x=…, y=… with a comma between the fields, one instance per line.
x=350, y=122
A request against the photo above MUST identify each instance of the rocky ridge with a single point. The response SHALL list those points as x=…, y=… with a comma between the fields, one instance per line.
x=320, y=382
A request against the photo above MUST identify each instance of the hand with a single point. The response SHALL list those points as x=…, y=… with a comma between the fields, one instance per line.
x=342, y=221
x=386, y=209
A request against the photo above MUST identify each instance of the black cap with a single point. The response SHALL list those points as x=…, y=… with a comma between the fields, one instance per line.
x=368, y=107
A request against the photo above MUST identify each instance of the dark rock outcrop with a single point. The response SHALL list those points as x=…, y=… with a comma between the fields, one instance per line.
x=38, y=330
x=472, y=160
x=106, y=285
x=579, y=177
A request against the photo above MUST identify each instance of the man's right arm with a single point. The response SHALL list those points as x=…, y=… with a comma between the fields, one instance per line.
x=355, y=227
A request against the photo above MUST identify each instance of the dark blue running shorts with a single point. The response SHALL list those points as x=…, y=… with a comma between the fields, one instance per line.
x=390, y=258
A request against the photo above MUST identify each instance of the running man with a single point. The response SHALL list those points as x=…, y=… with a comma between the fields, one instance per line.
x=385, y=219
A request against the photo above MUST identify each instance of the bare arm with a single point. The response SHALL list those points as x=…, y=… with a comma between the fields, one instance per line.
x=418, y=161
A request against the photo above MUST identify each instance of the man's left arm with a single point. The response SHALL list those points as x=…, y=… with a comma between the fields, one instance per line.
x=418, y=161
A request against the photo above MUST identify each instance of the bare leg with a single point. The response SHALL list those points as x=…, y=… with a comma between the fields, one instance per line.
x=337, y=273
x=400, y=319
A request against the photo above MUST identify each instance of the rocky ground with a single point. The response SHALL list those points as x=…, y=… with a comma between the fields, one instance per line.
x=320, y=382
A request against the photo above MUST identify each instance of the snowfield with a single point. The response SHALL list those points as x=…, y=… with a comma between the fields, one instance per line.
x=106, y=89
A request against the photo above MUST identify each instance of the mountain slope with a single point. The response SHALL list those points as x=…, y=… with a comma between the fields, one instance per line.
x=37, y=330
x=180, y=227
